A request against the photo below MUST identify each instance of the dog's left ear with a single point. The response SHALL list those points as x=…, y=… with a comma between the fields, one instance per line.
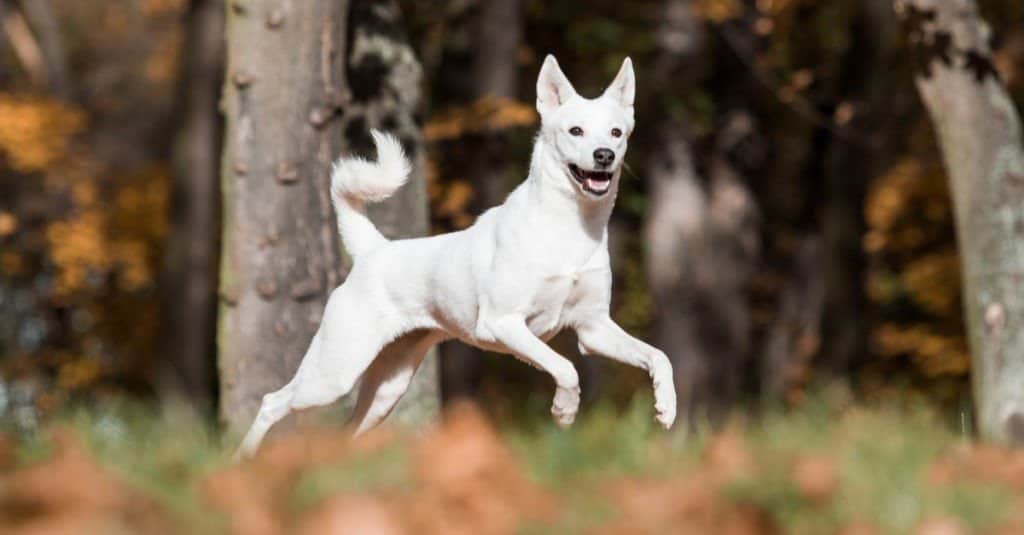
x=623, y=87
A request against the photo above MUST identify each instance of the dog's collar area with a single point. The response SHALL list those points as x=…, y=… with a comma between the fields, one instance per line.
x=593, y=182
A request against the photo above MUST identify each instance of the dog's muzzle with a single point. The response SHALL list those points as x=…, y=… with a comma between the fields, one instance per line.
x=595, y=182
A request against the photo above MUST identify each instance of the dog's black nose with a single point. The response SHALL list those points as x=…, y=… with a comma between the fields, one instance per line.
x=604, y=157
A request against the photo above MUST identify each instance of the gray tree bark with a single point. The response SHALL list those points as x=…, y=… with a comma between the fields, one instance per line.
x=305, y=81
x=280, y=255
x=701, y=241
x=979, y=132
x=189, y=277
x=702, y=246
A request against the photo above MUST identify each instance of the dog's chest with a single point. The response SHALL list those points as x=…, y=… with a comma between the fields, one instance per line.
x=553, y=301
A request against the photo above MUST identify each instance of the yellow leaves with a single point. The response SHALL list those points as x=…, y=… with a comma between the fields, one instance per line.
x=718, y=10
x=450, y=200
x=889, y=198
x=99, y=238
x=12, y=263
x=845, y=111
x=35, y=131
x=77, y=247
x=138, y=223
x=798, y=82
x=8, y=224
x=914, y=267
x=934, y=353
x=898, y=201
x=134, y=269
x=77, y=373
x=162, y=7
x=933, y=282
x=454, y=204
x=161, y=64
x=114, y=21
x=775, y=7
x=489, y=114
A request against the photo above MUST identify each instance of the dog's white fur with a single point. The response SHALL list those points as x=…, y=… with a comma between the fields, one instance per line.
x=524, y=271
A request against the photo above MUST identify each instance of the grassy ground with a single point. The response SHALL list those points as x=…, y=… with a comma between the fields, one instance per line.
x=817, y=469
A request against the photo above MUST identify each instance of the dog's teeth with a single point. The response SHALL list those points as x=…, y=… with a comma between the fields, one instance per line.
x=597, y=185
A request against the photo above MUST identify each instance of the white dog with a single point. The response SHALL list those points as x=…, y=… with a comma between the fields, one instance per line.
x=524, y=271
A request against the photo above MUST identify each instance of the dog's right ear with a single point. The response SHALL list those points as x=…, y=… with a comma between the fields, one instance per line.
x=553, y=88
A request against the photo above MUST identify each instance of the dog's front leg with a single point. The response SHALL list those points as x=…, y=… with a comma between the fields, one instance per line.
x=602, y=336
x=511, y=331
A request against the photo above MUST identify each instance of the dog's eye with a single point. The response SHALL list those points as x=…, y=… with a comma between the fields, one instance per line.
x=576, y=131
x=616, y=132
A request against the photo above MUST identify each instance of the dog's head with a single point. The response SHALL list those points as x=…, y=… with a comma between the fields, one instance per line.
x=588, y=136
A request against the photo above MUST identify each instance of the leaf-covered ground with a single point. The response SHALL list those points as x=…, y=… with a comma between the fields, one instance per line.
x=819, y=469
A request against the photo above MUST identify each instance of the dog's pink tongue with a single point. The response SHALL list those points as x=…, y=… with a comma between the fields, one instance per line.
x=598, y=185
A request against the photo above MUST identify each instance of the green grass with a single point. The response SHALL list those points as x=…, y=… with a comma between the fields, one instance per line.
x=881, y=456
x=388, y=468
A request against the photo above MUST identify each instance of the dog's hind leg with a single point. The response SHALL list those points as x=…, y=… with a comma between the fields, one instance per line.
x=388, y=378
x=275, y=406
x=348, y=341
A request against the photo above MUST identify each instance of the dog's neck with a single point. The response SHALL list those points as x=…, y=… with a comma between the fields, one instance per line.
x=550, y=191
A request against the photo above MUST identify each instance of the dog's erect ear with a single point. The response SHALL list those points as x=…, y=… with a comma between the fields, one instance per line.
x=553, y=88
x=623, y=87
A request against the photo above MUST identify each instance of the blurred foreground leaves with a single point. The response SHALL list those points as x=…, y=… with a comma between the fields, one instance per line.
x=830, y=467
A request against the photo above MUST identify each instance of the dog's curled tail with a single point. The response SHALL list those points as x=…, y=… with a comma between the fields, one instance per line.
x=355, y=180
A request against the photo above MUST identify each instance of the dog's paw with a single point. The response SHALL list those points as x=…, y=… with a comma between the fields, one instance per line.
x=565, y=405
x=665, y=414
x=665, y=404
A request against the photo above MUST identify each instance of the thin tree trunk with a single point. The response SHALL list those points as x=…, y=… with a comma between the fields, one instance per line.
x=46, y=27
x=25, y=47
x=189, y=279
x=495, y=74
x=284, y=90
x=702, y=244
x=979, y=132
x=701, y=241
x=848, y=167
x=495, y=68
x=794, y=337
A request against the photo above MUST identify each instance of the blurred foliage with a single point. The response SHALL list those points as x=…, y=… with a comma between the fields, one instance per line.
x=488, y=114
x=829, y=467
x=84, y=182
x=35, y=132
x=914, y=277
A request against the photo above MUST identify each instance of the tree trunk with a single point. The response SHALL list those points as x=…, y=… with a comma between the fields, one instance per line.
x=848, y=166
x=189, y=282
x=979, y=132
x=280, y=256
x=46, y=28
x=306, y=82
x=701, y=240
x=495, y=74
x=702, y=245
x=495, y=67
x=794, y=336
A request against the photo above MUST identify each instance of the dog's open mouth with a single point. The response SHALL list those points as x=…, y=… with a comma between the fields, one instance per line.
x=596, y=182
